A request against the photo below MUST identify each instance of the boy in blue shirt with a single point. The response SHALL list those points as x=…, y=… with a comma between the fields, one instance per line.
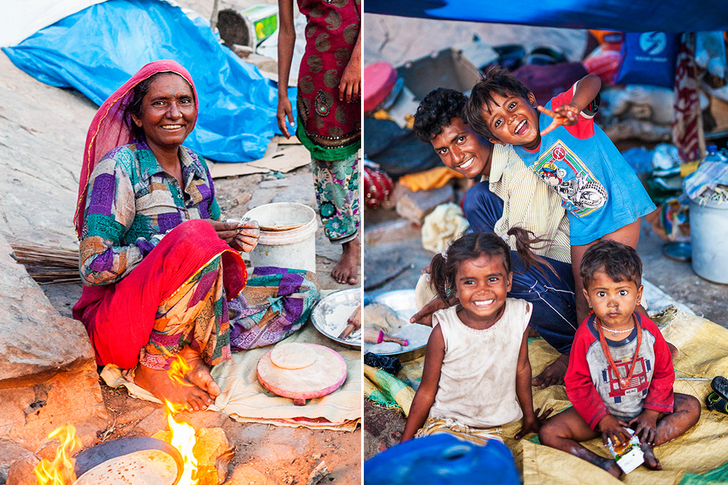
x=602, y=195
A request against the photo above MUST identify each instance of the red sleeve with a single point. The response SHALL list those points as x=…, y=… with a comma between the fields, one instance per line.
x=660, y=395
x=584, y=127
x=579, y=387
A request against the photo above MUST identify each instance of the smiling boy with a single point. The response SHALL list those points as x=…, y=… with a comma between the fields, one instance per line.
x=511, y=196
x=603, y=197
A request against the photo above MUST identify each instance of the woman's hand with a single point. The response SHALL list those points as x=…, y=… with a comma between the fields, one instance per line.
x=285, y=110
x=241, y=236
x=350, y=84
x=247, y=237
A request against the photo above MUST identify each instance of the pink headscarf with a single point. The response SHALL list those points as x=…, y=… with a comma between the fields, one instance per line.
x=109, y=130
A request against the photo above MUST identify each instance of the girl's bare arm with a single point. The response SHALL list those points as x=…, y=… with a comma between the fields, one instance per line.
x=286, y=43
x=531, y=420
x=425, y=395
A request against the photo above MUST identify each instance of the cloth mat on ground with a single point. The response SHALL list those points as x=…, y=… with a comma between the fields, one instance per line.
x=246, y=400
x=386, y=390
x=700, y=456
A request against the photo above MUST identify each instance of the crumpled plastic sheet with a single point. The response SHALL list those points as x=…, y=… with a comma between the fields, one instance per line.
x=99, y=48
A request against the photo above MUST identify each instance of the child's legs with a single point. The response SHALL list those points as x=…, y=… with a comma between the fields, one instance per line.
x=686, y=412
x=566, y=430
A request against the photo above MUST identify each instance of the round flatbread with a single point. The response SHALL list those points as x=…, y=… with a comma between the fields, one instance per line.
x=148, y=467
x=293, y=356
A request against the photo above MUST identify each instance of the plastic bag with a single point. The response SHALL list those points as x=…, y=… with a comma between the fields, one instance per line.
x=648, y=58
x=710, y=55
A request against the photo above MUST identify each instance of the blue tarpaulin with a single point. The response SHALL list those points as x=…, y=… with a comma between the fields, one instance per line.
x=98, y=49
x=620, y=15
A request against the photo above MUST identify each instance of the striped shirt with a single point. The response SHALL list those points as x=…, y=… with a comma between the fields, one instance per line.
x=132, y=202
x=528, y=203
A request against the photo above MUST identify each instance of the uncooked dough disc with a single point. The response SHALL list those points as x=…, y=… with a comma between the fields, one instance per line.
x=292, y=356
x=324, y=376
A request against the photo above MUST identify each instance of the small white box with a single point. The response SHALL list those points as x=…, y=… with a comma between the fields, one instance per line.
x=629, y=455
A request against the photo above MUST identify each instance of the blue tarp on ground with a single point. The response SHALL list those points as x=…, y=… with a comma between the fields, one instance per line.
x=98, y=49
x=620, y=15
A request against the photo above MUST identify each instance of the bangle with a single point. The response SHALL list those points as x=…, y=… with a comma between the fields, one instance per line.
x=380, y=337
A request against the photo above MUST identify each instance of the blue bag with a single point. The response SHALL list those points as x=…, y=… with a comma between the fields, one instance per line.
x=442, y=459
x=648, y=58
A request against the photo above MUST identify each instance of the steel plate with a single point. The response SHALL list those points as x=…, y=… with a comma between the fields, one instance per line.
x=331, y=313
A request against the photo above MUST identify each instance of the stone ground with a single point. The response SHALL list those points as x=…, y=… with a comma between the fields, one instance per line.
x=42, y=133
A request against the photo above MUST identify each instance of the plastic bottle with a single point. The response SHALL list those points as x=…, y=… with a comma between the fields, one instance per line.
x=712, y=155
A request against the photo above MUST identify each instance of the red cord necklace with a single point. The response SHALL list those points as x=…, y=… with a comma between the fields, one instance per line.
x=623, y=381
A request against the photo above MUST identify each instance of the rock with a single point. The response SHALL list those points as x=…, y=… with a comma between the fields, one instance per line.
x=35, y=341
x=414, y=206
x=213, y=452
x=30, y=413
x=21, y=472
x=10, y=453
x=42, y=134
x=154, y=422
x=47, y=370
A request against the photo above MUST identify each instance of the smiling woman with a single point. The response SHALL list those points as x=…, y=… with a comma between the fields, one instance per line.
x=162, y=273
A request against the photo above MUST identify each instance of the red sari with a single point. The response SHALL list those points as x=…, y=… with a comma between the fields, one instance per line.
x=119, y=317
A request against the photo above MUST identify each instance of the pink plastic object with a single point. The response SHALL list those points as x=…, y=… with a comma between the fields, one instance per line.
x=379, y=79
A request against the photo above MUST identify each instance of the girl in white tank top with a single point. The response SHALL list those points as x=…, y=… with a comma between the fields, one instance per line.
x=477, y=373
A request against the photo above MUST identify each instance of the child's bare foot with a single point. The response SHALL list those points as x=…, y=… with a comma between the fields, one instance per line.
x=553, y=373
x=651, y=460
x=195, y=396
x=345, y=270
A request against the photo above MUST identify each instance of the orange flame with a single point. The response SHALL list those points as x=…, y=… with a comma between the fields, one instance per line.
x=183, y=438
x=178, y=369
x=59, y=471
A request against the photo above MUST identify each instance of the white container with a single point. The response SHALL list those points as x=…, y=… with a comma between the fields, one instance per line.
x=709, y=238
x=293, y=248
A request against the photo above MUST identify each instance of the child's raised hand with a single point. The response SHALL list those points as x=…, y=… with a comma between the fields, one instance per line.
x=564, y=115
x=534, y=424
x=613, y=429
x=646, y=426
